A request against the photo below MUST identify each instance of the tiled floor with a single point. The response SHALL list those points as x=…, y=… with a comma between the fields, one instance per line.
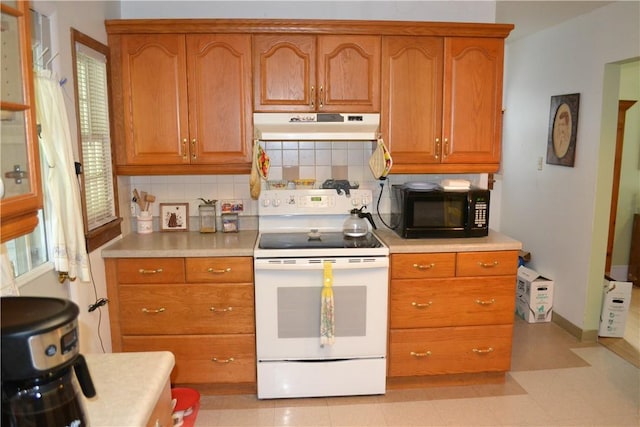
x=555, y=381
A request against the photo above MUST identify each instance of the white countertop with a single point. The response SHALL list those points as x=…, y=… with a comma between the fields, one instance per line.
x=128, y=386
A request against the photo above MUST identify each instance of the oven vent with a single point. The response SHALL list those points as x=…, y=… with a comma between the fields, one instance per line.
x=361, y=260
x=321, y=261
x=281, y=261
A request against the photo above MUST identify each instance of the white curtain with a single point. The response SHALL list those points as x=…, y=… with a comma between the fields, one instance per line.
x=63, y=208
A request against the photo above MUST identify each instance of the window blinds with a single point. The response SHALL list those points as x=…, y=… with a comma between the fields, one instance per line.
x=96, y=143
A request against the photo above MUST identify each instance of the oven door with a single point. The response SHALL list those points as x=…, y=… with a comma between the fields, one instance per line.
x=287, y=297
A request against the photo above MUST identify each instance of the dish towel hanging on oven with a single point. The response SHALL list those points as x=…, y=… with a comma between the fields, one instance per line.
x=327, y=320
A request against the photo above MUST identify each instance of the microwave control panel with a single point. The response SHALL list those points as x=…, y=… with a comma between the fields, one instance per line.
x=480, y=220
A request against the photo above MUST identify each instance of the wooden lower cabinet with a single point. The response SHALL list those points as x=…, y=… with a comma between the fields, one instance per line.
x=200, y=309
x=435, y=351
x=203, y=358
x=451, y=314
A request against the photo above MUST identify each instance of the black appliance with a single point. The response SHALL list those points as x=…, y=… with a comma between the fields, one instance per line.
x=40, y=347
x=424, y=210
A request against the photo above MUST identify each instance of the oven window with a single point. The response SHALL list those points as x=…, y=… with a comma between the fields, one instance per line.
x=299, y=311
x=439, y=213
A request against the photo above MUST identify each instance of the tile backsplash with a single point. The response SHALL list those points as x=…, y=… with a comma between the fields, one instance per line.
x=289, y=161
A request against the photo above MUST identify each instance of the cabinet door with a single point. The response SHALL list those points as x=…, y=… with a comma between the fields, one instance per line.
x=284, y=72
x=20, y=190
x=219, y=88
x=411, y=111
x=472, y=100
x=154, y=91
x=348, y=74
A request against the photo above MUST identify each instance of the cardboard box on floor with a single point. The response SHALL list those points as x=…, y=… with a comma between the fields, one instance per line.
x=615, y=307
x=534, y=296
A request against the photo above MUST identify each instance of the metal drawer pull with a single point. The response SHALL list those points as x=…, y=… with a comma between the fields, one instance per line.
x=220, y=310
x=421, y=305
x=480, y=302
x=423, y=266
x=487, y=264
x=160, y=310
x=483, y=351
x=425, y=354
x=229, y=360
x=156, y=271
x=219, y=271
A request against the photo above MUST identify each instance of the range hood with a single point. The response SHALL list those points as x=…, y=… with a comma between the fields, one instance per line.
x=316, y=126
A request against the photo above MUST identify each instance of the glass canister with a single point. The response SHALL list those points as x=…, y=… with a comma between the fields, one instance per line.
x=207, y=212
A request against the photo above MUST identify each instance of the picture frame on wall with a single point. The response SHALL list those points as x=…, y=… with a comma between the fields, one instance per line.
x=563, y=129
x=174, y=216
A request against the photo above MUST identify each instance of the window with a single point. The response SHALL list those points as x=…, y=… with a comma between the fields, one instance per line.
x=92, y=110
x=29, y=252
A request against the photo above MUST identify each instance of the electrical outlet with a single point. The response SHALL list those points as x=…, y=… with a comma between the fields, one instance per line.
x=539, y=163
x=133, y=209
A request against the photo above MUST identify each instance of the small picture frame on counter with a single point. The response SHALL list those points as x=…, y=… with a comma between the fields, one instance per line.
x=229, y=222
x=174, y=216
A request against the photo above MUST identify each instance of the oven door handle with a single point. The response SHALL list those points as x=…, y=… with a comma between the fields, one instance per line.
x=382, y=262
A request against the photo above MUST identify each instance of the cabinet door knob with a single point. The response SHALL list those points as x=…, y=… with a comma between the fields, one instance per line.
x=437, y=152
x=421, y=305
x=483, y=350
x=184, y=148
x=152, y=311
x=446, y=147
x=156, y=271
x=425, y=354
x=424, y=266
x=313, y=97
x=486, y=302
x=229, y=360
x=488, y=264
x=321, y=97
x=219, y=270
x=220, y=310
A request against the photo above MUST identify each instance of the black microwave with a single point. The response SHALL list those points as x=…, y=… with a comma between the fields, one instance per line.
x=429, y=211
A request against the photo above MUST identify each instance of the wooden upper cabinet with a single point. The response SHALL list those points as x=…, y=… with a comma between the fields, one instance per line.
x=284, y=72
x=411, y=113
x=316, y=73
x=472, y=100
x=186, y=100
x=220, y=113
x=20, y=188
x=349, y=74
x=154, y=77
x=441, y=103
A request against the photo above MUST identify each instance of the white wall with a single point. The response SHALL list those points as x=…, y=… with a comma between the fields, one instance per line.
x=454, y=11
x=87, y=17
x=559, y=213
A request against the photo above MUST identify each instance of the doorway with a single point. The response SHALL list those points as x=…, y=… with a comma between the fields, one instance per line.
x=621, y=259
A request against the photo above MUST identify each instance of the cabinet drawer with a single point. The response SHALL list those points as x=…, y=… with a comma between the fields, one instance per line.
x=492, y=263
x=150, y=270
x=416, y=266
x=186, y=309
x=220, y=270
x=450, y=350
x=203, y=359
x=452, y=302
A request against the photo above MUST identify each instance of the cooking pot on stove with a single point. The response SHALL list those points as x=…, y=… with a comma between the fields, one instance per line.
x=356, y=225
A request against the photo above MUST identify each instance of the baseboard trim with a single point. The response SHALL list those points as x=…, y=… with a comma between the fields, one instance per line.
x=581, y=334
